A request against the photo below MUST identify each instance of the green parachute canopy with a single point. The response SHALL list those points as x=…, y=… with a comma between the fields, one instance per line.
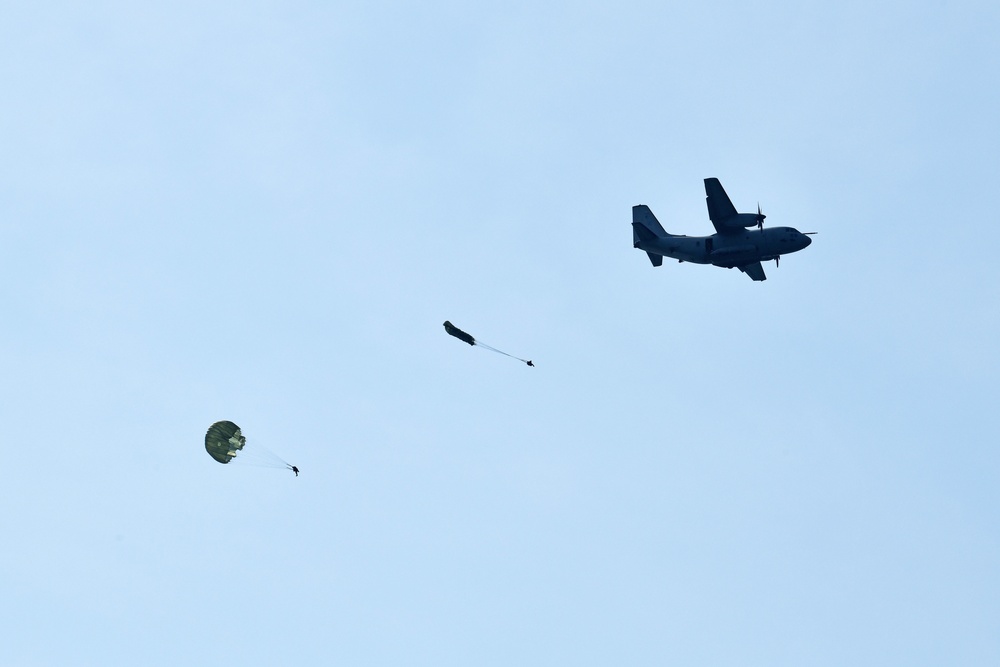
x=223, y=440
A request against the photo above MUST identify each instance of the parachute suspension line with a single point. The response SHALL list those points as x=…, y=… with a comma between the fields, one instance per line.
x=253, y=463
x=490, y=347
x=264, y=452
x=259, y=456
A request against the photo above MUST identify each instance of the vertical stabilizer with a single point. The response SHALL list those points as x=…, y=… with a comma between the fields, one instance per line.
x=641, y=215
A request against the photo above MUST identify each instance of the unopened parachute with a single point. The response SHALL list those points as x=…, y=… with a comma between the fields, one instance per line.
x=224, y=442
x=468, y=338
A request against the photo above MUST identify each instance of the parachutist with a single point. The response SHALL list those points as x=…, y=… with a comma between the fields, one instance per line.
x=529, y=363
x=295, y=470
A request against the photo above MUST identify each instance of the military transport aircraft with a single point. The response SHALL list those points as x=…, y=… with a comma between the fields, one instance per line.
x=733, y=245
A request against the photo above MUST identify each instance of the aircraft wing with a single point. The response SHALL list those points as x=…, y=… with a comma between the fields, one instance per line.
x=755, y=271
x=720, y=207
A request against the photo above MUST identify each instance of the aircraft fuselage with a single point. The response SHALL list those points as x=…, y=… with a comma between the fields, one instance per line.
x=729, y=249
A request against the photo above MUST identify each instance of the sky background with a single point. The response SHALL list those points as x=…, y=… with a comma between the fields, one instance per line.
x=263, y=212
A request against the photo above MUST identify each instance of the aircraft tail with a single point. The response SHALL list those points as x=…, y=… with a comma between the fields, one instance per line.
x=644, y=220
x=646, y=228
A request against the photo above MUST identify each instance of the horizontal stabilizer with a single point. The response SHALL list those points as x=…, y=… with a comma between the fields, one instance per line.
x=657, y=260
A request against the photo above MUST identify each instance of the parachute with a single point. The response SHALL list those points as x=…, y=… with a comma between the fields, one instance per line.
x=468, y=338
x=224, y=441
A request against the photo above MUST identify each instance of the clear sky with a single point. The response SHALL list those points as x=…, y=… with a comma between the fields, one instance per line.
x=264, y=211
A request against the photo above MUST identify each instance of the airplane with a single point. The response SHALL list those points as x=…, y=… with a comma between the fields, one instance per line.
x=733, y=245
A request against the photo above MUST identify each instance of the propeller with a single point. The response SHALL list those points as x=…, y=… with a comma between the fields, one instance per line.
x=760, y=217
x=810, y=233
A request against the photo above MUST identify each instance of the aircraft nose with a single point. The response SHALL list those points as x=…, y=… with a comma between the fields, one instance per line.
x=805, y=240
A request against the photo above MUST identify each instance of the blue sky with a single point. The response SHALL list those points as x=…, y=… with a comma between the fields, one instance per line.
x=264, y=211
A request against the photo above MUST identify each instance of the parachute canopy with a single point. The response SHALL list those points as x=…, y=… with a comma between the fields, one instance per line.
x=458, y=333
x=223, y=440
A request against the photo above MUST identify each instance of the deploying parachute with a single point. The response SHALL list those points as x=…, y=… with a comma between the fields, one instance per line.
x=467, y=338
x=224, y=441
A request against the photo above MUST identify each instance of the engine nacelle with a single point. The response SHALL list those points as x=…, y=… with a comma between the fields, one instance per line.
x=740, y=221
